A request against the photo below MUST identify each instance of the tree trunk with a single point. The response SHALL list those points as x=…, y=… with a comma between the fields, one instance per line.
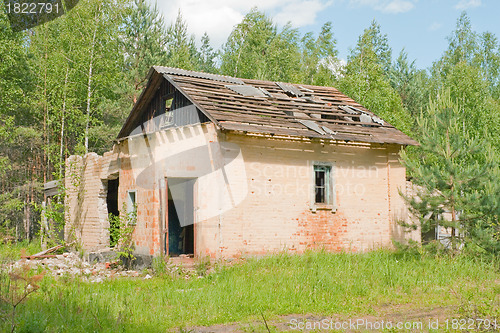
x=63, y=115
x=89, y=88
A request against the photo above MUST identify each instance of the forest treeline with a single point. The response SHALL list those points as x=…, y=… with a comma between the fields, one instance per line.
x=68, y=85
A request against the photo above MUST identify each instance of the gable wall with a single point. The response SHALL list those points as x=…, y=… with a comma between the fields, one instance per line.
x=144, y=163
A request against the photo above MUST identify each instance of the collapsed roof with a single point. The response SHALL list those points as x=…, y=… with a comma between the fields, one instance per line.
x=267, y=107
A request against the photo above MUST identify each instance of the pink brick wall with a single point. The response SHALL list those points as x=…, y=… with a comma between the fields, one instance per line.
x=277, y=215
x=146, y=233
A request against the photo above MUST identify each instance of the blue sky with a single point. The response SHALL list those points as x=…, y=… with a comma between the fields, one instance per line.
x=420, y=26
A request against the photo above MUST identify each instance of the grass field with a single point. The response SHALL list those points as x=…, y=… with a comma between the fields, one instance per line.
x=279, y=288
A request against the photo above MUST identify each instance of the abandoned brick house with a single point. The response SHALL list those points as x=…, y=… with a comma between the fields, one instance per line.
x=220, y=166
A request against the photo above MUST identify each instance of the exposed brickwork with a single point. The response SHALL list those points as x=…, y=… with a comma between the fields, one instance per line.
x=86, y=216
x=146, y=238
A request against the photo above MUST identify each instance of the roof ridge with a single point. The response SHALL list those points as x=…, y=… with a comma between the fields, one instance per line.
x=198, y=74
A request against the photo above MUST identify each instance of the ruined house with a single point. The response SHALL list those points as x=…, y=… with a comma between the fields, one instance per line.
x=221, y=166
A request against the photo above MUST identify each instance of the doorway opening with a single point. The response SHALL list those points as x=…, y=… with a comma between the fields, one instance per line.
x=113, y=211
x=180, y=216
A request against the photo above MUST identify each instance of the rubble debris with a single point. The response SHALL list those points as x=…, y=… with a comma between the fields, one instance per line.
x=70, y=264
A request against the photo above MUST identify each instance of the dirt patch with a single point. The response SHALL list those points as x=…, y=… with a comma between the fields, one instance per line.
x=416, y=320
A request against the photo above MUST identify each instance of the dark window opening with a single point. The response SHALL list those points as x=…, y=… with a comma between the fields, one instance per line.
x=167, y=120
x=322, y=184
x=132, y=205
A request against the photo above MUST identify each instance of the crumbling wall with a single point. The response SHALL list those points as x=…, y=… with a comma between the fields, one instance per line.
x=86, y=213
x=146, y=163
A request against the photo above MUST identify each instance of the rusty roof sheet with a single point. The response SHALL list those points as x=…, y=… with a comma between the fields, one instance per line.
x=285, y=109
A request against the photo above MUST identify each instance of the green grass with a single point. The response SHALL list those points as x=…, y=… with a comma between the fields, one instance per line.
x=314, y=283
x=9, y=252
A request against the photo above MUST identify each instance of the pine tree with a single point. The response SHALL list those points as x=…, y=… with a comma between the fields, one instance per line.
x=380, y=44
x=206, y=62
x=453, y=188
x=144, y=44
x=181, y=49
x=410, y=83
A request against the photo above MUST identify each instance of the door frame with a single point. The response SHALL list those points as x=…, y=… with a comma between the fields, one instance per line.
x=164, y=232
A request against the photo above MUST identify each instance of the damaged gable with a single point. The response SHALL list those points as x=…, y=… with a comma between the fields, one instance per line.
x=161, y=106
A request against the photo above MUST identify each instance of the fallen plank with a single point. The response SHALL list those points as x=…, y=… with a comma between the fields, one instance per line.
x=39, y=256
x=52, y=249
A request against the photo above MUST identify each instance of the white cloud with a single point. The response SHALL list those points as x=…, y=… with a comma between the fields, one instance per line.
x=386, y=6
x=218, y=17
x=398, y=6
x=435, y=26
x=300, y=13
x=466, y=4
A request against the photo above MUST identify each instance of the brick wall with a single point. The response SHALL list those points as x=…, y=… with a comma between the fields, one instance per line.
x=146, y=233
x=276, y=214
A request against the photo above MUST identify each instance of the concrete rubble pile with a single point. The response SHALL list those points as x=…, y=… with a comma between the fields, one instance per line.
x=70, y=264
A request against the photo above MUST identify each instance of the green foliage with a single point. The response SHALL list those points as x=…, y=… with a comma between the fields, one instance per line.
x=11, y=251
x=52, y=215
x=68, y=85
x=143, y=45
x=481, y=114
x=380, y=44
x=410, y=83
x=202, y=265
x=207, y=55
x=365, y=80
x=181, y=49
x=114, y=229
x=256, y=49
x=319, y=57
x=159, y=265
x=489, y=61
x=456, y=174
x=467, y=47
x=462, y=42
x=121, y=230
x=18, y=142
